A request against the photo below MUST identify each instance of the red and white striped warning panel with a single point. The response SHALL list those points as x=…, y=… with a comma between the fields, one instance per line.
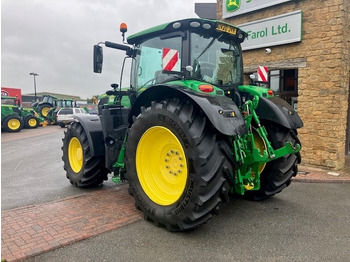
x=262, y=73
x=170, y=60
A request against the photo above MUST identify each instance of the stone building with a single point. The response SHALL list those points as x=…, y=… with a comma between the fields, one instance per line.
x=306, y=46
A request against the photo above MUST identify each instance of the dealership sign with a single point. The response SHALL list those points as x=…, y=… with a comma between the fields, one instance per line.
x=232, y=8
x=277, y=30
x=4, y=93
x=9, y=91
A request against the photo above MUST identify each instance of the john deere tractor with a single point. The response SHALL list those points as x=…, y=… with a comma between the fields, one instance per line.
x=49, y=106
x=187, y=133
x=43, y=107
x=14, y=117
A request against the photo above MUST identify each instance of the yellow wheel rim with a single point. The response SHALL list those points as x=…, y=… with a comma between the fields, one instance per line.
x=75, y=155
x=260, y=144
x=32, y=122
x=13, y=124
x=161, y=165
x=45, y=111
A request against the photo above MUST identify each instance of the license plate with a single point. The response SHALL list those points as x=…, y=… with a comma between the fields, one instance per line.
x=227, y=29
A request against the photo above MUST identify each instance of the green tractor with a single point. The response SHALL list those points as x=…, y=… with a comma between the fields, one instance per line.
x=49, y=106
x=187, y=133
x=44, y=106
x=14, y=118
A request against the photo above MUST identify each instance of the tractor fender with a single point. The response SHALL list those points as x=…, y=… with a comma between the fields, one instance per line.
x=279, y=111
x=93, y=129
x=222, y=112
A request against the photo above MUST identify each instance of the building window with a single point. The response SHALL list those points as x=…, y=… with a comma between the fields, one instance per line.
x=275, y=81
x=285, y=84
x=289, y=82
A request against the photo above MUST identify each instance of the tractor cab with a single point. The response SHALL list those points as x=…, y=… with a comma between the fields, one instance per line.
x=202, y=51
x=63, y=103
x=10, y=100
x=10, y=104
x=49, y=99
x=192, y=49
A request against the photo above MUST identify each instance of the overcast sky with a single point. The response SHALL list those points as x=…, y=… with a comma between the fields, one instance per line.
x=55, y=38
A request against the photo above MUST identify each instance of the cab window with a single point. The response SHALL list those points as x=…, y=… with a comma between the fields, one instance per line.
x=217, y=61
x=151, y=61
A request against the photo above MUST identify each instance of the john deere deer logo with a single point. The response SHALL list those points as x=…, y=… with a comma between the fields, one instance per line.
x=233, y=5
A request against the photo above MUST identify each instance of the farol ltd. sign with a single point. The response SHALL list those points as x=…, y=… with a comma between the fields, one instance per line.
x=232, y=8
x=277, y=30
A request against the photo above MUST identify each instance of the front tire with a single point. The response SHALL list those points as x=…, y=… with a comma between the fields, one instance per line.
x=31, y=121
x=82, y=168
x=175, y=165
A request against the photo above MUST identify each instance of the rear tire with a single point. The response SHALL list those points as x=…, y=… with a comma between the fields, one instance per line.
x=12, y=123
x=277, y=174
x=31, y=121
x=82, y=168
x=175, y=166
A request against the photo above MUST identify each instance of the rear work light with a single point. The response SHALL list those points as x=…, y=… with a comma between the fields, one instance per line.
x=270, y=92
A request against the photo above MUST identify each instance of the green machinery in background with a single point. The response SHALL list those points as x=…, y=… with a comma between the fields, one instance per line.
x=14, y=117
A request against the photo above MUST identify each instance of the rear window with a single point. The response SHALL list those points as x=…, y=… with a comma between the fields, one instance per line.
x=79, y=111
x=66, y=111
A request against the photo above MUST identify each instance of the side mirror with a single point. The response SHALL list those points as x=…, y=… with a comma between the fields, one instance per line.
x=98, y=59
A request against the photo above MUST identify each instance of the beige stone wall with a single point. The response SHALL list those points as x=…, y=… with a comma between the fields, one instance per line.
x=323, y=63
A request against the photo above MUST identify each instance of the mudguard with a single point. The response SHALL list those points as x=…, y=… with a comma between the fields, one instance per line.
x=279, y=111
x=222, y=112
x=93, y=128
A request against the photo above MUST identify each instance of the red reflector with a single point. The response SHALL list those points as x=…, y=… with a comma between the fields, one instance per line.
x=206, y=88
x=270, y=92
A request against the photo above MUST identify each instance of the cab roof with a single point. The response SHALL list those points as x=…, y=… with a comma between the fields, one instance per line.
x=211, y=27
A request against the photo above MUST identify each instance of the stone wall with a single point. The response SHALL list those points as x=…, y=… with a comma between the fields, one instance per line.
x=323, y=62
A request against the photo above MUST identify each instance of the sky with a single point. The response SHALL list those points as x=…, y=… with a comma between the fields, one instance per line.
x=55, y=38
